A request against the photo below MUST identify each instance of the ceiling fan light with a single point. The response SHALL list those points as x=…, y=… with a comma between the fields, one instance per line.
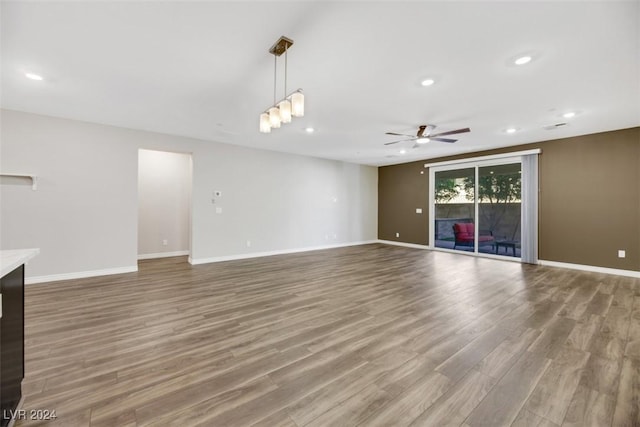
x=265, y=124
x=285, y=111
x=297, y=104
x=423, y=140
x=274, y=117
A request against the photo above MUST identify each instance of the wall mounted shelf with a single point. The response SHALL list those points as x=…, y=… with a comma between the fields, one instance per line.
x=8, y=178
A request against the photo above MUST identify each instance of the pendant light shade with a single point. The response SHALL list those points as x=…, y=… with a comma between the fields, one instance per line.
x=265, y=124
x=285, y=111
x=297, y=104
x=274, y=117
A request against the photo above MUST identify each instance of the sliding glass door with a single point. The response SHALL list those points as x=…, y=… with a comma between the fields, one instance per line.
x=499, y=208
x=478, y=208
x=454, y=205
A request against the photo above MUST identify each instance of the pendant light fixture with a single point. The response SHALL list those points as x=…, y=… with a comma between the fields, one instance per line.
x=292, y=105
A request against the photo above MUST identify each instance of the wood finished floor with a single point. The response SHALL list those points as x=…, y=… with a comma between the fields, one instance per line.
x=371, y=335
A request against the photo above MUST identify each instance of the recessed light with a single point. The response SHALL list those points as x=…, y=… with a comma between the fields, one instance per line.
x=427, y=82
x=422, y=140
x=522, y=60
x=309, y=130
x=511, y=130
x=33, y=76
x=569, y=114
x=403, y=151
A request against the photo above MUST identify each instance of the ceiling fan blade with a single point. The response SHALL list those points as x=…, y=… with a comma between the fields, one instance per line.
x=451, y=132
x=425, y=130
x=399, y=134
x=443, y=139
x=402, y=140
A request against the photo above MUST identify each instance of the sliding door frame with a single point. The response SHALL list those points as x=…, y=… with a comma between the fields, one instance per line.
x=476, y=164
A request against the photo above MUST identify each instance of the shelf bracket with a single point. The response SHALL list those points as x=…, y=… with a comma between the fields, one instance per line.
x=19, y=177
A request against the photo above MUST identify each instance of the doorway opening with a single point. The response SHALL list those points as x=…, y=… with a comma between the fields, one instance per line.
x=164, y=204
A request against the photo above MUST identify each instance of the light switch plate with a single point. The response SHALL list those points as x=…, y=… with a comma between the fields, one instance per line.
x=418, y=210
x=622, y=253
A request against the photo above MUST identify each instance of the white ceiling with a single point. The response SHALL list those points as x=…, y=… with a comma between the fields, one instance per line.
x=202, y=69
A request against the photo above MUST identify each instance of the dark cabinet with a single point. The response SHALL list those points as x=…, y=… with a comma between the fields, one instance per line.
x=11, y=343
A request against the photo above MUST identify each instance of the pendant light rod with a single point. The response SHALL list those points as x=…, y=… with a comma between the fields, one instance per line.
x=285, y=72
x=275, y=80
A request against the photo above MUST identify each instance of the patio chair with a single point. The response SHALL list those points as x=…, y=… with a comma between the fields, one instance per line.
x=464, y=234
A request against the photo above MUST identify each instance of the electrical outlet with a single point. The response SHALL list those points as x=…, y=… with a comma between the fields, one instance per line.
x=397, y=234
x=622, y=253
x=248, y=243
x=335, y=236
x=165, y=242
x=418, y=210
x=218, y=210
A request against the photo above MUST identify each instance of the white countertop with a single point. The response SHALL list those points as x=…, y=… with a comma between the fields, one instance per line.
x=10, y=259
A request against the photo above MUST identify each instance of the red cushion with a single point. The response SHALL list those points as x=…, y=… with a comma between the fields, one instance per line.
x=464, y=231
x=464, y=227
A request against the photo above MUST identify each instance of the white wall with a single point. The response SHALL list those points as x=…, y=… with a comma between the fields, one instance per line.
x=84, y=214
x=164, y=203
x=279, y=201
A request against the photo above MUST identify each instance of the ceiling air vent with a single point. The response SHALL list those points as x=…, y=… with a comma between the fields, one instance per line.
x=556, y=126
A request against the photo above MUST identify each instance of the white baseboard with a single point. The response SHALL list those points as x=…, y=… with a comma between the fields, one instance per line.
x=406, y=245
x=163, y=255
x=133, y=269
x=197, y=261
x=80, y=275
x=591, y=268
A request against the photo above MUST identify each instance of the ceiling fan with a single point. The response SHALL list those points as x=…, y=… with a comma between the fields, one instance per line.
x=424, y=135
